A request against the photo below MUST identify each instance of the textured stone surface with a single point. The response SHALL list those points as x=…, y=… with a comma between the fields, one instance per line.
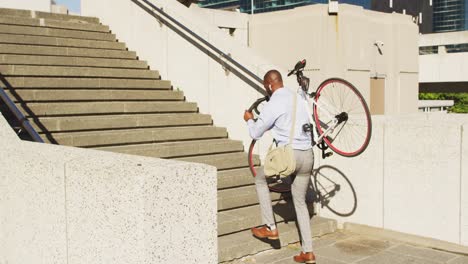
x=241, y=244
x=243, y=196
x=50, y=23
x=464, y=187
x=96, y=138
x=423, y=253
x=224, y=161
x=150, y=212
x=66, y=51
x=68, y=71
x=55, y=32
x=62, y=204
x=121, y=121
x=422, y=172
x=236, y=177
x=43, y=83
x=70, y=61
x=342, y=247
x=180, y=149
x=92, y=95
x=57, y=41
x=28, y=14
x=365, y=172
x=62, y=109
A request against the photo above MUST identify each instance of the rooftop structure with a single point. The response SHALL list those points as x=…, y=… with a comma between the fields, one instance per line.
x=261, y=6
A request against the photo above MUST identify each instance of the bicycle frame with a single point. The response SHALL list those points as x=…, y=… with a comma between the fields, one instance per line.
x=312, y=104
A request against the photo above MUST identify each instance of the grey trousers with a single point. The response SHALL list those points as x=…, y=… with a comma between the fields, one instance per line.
x=300, y=184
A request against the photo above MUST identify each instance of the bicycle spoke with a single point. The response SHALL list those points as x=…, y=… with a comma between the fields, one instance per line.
x=351, y=137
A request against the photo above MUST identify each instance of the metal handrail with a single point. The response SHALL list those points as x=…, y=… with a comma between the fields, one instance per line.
x=222, y=55
x=24, y=123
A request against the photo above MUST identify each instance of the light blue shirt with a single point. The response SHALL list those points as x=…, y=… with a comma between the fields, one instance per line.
x=276, y=116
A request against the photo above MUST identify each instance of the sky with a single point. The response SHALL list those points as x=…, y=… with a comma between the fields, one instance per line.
x=73, y=5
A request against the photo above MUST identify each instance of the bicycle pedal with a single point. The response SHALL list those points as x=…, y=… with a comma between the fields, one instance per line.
x=328, y=154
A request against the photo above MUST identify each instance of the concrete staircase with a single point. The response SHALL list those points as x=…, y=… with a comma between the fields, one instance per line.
x=80, y=87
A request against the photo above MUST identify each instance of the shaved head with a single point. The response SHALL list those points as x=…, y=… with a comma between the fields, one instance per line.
x=273, y=76
x=272, y=81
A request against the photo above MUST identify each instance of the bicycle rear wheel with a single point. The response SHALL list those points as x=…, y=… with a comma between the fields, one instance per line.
x=337, y=99
x=334, y=190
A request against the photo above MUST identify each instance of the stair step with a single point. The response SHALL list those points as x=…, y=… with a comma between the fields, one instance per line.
x=240, y=197
x=179, y=149
x=43, y=95
x=14, y=59
x=81, y=123
x=51, y=23
x=65, y=51
x=60, y=42
x=223, y=161
x=148, y=135
x=90, y=108
x=234, y=178
x=242, y=244
x=97, y=83
x=244, y=218
x=62, y=71
x=55, y=32
x=45, y=15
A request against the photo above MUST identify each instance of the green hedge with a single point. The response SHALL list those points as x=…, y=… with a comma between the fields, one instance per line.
x=460, y=99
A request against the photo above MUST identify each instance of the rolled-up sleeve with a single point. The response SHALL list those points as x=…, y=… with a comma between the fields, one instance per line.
x=265, y=122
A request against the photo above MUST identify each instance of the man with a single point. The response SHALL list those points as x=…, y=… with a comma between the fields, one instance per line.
x=277, y=117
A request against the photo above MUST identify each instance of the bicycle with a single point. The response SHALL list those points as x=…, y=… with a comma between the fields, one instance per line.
x=343, y=124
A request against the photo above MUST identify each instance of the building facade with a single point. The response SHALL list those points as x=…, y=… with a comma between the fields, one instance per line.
x=261, y=6
x=450, y=15
x=422, y=11
x=431, y=16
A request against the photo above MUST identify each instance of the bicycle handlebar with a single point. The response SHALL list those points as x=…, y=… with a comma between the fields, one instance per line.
x=300, y=65
x=257, y=103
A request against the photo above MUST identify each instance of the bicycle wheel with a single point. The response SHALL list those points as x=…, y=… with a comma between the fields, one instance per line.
x=273, y=184
x=334, y=191
x=338, y=100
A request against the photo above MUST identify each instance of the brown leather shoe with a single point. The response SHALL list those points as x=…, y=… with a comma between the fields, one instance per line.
x=265, y=232
x=305, y=258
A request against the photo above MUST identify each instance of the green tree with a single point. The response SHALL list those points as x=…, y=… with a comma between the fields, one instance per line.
x=460, y=100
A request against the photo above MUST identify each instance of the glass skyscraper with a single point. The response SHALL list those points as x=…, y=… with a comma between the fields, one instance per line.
x=450, y=15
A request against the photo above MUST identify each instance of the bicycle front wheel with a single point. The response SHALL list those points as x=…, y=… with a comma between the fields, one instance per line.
x=342, y=114
x=273, y=184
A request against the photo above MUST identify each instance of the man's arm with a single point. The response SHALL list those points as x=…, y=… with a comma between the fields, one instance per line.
x=265, y=122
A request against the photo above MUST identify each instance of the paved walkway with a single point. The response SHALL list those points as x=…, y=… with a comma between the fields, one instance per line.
x=345, y=247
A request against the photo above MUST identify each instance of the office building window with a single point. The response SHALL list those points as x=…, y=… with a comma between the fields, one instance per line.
x=449, y=15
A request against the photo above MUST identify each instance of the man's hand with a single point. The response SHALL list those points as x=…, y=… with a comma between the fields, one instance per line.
x=248, y=115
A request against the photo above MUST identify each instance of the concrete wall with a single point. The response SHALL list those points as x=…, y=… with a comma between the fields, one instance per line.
x=69, y=205
x=36, y=5
x=443, y=67
x=343, y=46
x=413, y=177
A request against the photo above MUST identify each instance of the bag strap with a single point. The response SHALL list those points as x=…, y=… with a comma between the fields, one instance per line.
x=291, y=135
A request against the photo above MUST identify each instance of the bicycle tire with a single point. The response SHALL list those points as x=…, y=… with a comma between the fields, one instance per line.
x=319, y=188
x=273, y=186
x=351, y=137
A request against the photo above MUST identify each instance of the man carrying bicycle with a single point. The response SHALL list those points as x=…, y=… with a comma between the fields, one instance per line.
x=277, y=116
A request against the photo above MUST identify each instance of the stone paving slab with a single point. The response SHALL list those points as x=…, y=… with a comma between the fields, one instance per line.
x=344, y=247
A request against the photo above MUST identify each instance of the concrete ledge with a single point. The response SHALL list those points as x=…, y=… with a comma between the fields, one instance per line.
x=408, y=238
x=70, y=205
